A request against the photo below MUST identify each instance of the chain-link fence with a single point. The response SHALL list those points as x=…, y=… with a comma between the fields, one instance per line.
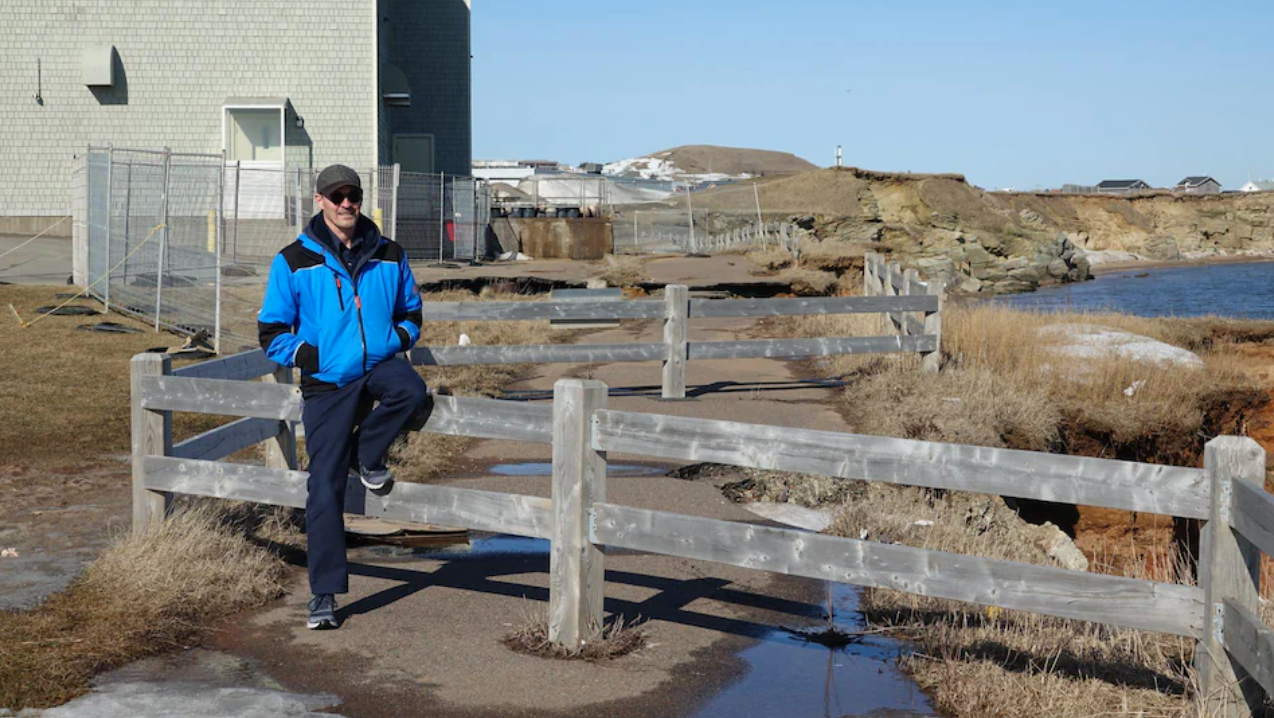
x=703, y=219
x=185, y=240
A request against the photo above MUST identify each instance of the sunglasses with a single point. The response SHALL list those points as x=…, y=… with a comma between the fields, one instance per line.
x=354, y=194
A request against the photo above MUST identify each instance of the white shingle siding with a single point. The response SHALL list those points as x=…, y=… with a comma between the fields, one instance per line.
x=181, y=60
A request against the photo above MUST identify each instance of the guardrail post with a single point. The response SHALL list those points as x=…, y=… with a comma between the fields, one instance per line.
x=152, y=436
x=910, y=280
x=869, y=275
x=893, y=320
x=576, y=569
x=280, y=452
x=678, y=298
x=1229, y=568
x=931, y=361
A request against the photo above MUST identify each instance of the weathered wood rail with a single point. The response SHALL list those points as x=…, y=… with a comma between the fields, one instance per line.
x=1235, y=655
x=675, y=309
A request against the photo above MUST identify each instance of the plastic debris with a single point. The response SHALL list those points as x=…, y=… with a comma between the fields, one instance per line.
x=1135, y=386
x=9, y=553
x=922, y=522
x=465, y=341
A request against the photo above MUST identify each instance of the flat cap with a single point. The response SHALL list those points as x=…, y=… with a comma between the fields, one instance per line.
x=335, y=176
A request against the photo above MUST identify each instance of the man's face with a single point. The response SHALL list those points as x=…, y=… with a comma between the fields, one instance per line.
x=341, y=206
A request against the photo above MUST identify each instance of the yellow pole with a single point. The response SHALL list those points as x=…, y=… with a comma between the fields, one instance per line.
x=212, y=231
x=378, y=216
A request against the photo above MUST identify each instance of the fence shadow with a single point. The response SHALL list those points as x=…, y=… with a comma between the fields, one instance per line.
x=668, y=604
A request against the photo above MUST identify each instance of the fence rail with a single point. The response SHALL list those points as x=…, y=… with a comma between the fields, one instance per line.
x=676, y=309
x=1228, y=492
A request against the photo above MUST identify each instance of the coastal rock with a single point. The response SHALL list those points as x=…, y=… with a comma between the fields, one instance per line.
x=1162, y=248
x=970, y=285
x=1016, y=263
x=989, y=273
x=1058, y=546
x=1093, y=341
x=977, y=255
x=1013, y=286
x=1025, y=274
x=1058, y=269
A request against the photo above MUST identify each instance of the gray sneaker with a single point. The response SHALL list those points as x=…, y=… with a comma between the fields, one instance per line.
x=375, y=479
x=322, y=612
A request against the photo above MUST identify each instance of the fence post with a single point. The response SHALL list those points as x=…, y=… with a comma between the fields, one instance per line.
x=892, y=322
x=281, y=452
x=393, y=222
x=110, y=168
x=930, y=362
x=576, y=567
x=1229, y=568
x=163, y=241
x=678, y=305
x=152, y=436
x=910, y=279
x=218, y=243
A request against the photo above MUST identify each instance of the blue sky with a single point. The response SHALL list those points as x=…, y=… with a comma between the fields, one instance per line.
x=1018, y=94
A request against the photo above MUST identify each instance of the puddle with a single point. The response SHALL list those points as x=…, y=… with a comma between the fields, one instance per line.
x=488, y=547
x=34, y=574
x=792, y=677
x=534, y=468
x=193, y=684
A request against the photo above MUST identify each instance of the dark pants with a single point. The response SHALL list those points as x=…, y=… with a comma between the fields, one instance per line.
x=333, y=443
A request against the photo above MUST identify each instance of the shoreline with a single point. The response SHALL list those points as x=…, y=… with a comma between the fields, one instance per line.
x=1129, y=265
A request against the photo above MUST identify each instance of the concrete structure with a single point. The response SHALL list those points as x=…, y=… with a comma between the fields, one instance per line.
x=1122, y=186
x=274, y=82
x=1199, y=185
x=1258, y=186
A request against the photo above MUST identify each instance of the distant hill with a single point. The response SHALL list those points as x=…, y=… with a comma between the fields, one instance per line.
x=709, y=162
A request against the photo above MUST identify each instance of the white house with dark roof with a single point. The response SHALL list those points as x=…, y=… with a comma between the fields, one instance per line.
x=1123, y=186
x=1199, y=185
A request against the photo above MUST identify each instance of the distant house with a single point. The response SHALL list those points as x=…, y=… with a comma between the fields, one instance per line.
x=1199, y=185
x=1122, y=186
x=1258, y=186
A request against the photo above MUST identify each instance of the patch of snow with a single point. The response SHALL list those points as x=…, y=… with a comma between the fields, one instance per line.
x=655, y=167
x=792, y=515
x=1092, y=341
x=1108, y=256
x=148, y=699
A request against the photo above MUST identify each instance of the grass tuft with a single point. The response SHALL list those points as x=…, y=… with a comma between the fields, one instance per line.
x=618, y=638
x=143, y=595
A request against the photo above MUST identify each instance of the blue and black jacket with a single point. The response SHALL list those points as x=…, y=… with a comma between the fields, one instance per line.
x=336, y=322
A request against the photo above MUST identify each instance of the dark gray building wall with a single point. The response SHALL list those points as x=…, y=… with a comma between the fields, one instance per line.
x=429, y=41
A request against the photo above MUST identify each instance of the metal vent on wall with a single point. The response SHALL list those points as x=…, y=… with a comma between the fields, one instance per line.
x=394, y=89
x=99, y=66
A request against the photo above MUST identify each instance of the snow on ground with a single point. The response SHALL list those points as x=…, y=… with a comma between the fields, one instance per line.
x=1092, y=341
x=655, y=167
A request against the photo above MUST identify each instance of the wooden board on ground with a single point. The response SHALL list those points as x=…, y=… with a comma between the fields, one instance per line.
x=371, y=529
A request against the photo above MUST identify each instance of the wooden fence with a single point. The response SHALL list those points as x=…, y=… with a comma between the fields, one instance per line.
x=675, y=309
x=887, y=279
x=1235, y=648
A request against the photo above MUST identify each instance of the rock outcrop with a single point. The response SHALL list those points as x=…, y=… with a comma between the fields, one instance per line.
x=978, y=241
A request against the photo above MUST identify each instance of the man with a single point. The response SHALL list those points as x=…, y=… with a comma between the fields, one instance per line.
x=340, y=303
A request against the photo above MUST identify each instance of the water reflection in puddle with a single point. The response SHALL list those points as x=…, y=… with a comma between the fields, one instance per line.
x=536, y=468
x=792, y=677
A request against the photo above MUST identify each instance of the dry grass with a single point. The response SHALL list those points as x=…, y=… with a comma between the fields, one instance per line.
x=143, y=595
x=990, y=662
x=808, y=282
x=614, y=640
x=622, y=271
x=1002, y=385
x=771, y=258
x=832, y=255
x=67, y=398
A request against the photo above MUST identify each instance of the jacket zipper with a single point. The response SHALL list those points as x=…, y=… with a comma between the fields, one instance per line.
x=358, y=303
x=339, y=296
